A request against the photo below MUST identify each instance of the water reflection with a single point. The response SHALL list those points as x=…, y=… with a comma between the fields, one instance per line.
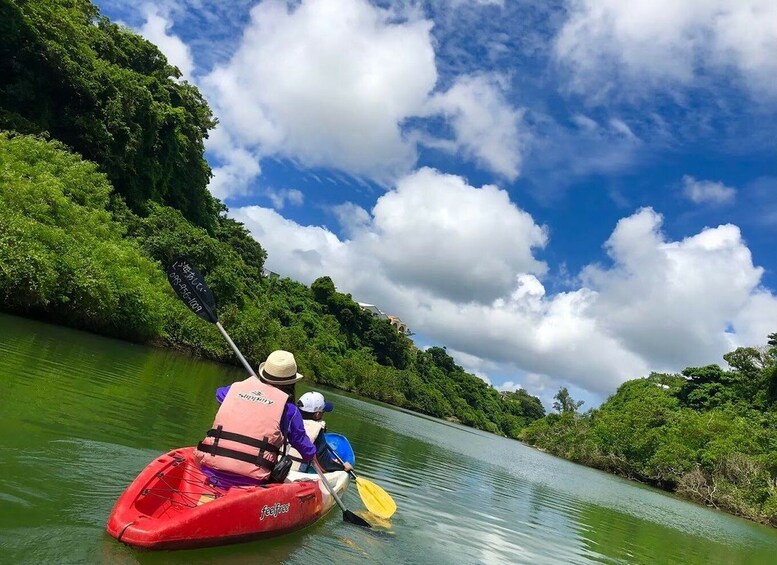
x=82, y=415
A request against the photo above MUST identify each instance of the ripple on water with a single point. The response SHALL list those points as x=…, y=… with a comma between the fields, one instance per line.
x=83, y=415
x=486, y=498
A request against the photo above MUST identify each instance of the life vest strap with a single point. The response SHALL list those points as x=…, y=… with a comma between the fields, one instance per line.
x=257, y=460
x=261, y=444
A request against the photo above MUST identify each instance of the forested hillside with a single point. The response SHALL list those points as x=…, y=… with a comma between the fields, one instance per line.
x=709, y=434
x=103, y=181
x=108, y=94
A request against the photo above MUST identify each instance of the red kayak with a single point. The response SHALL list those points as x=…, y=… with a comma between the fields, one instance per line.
x=171, y=504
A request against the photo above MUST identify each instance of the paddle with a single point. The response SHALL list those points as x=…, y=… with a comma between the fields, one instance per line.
x=374, y=498
x=348, y=516
x=190, y=287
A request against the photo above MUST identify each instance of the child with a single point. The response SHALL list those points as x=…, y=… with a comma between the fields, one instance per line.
x=312, y=407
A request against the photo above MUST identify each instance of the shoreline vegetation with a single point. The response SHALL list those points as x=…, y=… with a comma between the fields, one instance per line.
x=103, y=181
x=707, y=434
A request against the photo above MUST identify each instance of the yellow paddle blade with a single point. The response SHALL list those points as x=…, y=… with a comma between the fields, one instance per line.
x=375, y=498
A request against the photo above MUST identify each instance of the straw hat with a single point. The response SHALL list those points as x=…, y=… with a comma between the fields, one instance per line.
x=279, y=369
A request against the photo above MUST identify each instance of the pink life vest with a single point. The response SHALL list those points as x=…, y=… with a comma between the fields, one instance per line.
x=246, y=436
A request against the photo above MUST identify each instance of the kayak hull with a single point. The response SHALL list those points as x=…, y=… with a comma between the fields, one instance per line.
x=172, y=505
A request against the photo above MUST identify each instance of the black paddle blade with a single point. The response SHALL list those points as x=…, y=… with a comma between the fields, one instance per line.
x=349, y=516
x=190, y=287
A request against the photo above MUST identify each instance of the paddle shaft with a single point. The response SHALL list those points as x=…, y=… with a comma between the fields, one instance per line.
x=348, y=516
x=235, y=349
x=375, y=493
x=329, y=487
x=333, y=452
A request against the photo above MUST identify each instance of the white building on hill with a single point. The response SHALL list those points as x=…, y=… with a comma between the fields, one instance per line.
x=398, y=324
x=374, y=310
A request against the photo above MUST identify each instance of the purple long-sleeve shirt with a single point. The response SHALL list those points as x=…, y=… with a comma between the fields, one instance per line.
x=291, y=424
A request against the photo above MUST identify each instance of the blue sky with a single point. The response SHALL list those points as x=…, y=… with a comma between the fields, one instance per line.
x=567, y=193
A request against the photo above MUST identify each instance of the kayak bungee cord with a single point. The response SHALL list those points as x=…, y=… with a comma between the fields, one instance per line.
x=189, y=499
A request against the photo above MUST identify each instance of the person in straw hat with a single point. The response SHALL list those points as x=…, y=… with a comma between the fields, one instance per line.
x=257, y=416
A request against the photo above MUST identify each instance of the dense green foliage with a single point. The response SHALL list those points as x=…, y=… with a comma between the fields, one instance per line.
x=65, y=257
x=360, y=327
x=89, y=221
x=709, y=434
x=107, y=93
x=61, y=254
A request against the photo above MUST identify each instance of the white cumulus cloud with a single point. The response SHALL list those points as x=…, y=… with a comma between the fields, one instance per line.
x=157, y=30
x=332, y=83
x=328, y=83
x=658, y=43
x=707, y=192
x=486, y=127
x=671, y=301
x=433, y=232
x=436, y=232
x=660, y=305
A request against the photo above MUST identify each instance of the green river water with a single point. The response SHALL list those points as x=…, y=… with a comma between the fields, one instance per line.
x=81, y=415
